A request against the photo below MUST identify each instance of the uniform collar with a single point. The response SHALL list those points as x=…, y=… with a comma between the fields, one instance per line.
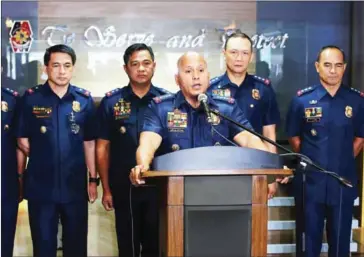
x=226, y=81
x=321, y=91
x=70, y=91
x=180, y=100
x=151, y=93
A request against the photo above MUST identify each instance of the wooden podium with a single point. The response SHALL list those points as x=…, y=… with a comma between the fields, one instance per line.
x=239, y=188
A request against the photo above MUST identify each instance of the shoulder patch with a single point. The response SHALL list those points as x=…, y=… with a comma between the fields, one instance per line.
x=216, y=79
x=161, y=98
x=33, y=89
x=11, y=92
x=112, y=92
x=229, y=100
x=263, y=80
x=357, y=91
x=304, y=91
x=82, y=91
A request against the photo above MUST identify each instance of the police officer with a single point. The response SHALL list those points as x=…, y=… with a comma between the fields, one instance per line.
x=121, y=116
x=11, y=183
x=176, y=121
x=253, y=94
x=326, y=123
x=57, y=131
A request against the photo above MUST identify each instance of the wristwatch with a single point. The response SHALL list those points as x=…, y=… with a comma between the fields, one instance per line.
x=94, y=180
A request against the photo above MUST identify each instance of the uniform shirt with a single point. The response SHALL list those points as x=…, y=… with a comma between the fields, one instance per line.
x=183, y=127
x=121, y=116
x=9, y=177
x=56, y=129
x=327, y=127
x=254, y=96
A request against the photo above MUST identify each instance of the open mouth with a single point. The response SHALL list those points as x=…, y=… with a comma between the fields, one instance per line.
x=196, y=86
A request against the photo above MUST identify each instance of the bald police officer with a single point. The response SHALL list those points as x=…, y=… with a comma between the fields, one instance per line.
x=177, y=121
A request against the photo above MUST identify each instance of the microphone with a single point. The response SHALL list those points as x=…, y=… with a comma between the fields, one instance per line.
x=202, y=98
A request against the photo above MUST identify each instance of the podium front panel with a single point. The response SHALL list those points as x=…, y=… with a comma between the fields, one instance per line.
x=217, y=231
x=218, y=190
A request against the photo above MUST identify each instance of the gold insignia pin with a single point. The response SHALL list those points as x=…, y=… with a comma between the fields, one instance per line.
x=175, y=147
x=4, y=106
x=122, y=130
x=43, y=129
x=313, y=132
x=256, y=94
x=215, y=119
x=348, y=111
x=76, y=106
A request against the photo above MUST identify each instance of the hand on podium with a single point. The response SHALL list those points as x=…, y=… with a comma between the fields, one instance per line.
x=135, y=175
x=272, y=189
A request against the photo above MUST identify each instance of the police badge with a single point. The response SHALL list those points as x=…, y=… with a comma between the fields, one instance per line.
x=348, y=111
x=256, y=94
x=4, y=106
x=76, y=106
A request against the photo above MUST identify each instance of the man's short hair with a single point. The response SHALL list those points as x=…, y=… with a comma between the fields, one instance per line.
x=135, y=48
x=330, y=47
x=238, y=34
x=59, y=49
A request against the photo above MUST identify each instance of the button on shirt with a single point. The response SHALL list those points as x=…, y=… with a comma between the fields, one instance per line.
x=182, y=126
x=327, y=127
x=121, y=116
x=254, y=96
x=56, y=129
x=9, y=177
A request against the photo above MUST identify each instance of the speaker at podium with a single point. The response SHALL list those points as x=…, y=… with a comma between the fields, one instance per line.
x=214, y=200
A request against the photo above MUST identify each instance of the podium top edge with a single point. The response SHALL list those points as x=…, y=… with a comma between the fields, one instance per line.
x=252, y=172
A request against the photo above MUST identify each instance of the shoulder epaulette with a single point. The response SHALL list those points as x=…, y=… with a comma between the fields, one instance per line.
x=161, y=98
x=357, y=91
x=33, y=89
x=263, y=80
x=162, y=90
x=82, y=91
x=216, y=79
x=305, y=90
x=229, y=100
x=11, y=92
x=112, y=92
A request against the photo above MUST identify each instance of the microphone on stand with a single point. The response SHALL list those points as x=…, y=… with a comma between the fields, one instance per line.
x=202, y=98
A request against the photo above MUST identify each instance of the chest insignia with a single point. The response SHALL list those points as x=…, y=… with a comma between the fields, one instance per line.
x=255, y=94
x=348, y=111
x=4, y=106
x=222, y=92
x=122, y=109
x=313, y=114
x=42, y=112
x=177, y=121
x=76, y=106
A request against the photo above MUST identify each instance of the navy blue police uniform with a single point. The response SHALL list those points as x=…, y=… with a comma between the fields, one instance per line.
x=182, y=126
x=121, y=116
x=9, y=177
x=254, y=96
x=327, y=126
x=55, y=182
